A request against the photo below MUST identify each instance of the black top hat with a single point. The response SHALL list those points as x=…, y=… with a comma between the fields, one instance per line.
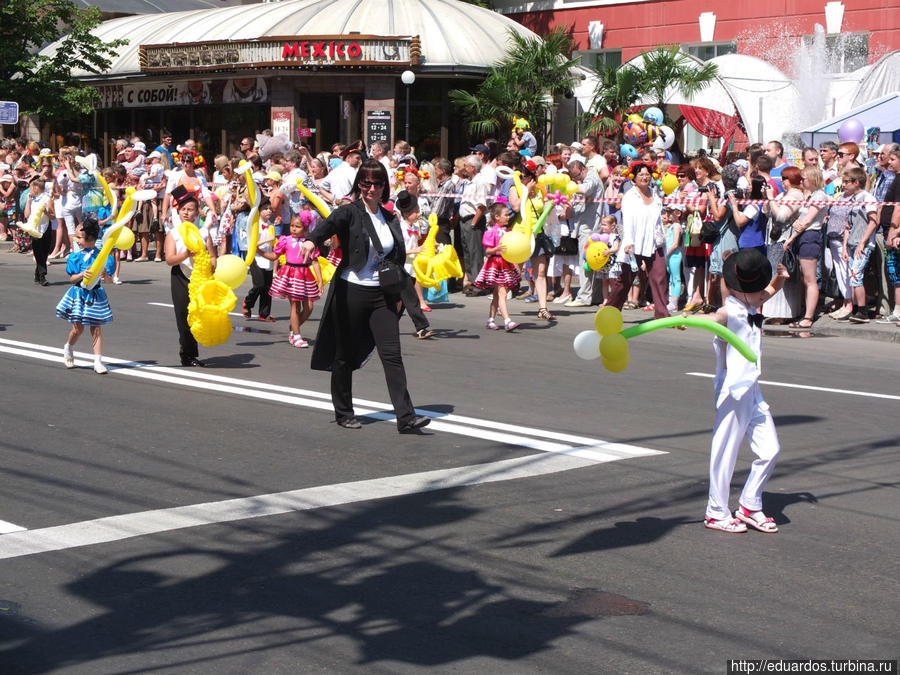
x=405, y=201
x=182, y=195
x=747, y=271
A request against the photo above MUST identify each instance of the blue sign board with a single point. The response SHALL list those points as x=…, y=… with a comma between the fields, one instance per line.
x=9, y=112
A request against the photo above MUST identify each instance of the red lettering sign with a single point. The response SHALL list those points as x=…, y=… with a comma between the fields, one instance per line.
x=322, y=50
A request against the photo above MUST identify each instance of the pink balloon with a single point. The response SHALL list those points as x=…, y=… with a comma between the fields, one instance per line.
x=851, y=131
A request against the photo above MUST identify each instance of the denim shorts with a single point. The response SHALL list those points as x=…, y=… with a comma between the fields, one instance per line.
x=727, y=242
x=858, y=266
x=892, y=264
x=809, y=245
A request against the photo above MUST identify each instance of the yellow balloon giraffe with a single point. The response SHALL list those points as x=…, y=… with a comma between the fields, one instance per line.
x=432, y=268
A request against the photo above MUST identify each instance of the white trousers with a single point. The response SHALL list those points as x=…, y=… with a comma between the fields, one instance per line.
x=833, y=260
x=735, y=420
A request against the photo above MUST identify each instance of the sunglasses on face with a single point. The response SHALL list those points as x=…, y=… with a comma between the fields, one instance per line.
x=843, y=154
x=365, y=184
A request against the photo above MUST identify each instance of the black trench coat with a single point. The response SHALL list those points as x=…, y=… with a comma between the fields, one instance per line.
x=353, y=227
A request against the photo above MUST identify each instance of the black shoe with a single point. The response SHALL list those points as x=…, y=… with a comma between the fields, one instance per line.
x=193, y=362
x=859, y=316
x=415, y=424
x=43, y=281
x=349, y=423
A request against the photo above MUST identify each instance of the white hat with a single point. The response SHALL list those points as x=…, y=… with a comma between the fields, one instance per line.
x=45, y=152
x=575, y=145
x=577, y=158
x=140, y=147
x=156, y=154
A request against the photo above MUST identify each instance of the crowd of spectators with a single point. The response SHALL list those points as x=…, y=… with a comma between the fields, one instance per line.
x=827, y=219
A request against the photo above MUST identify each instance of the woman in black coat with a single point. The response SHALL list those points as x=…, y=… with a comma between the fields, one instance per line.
x=359, y=315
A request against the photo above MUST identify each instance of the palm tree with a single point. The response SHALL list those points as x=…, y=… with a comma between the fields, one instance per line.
x=668, y=66
x=617, y=90
x=523, y=84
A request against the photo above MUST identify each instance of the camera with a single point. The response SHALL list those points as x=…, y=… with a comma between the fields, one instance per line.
x=703, y=188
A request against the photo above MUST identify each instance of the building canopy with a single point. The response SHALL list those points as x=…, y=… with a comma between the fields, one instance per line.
x=452, y=36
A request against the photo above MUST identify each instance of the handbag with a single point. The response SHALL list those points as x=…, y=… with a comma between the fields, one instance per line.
x=567, y=246
x=391, y=276
x=790, y=262
x=695, y=227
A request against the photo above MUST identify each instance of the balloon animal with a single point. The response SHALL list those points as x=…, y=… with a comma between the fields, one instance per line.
x=431, y=267
x=609, y=341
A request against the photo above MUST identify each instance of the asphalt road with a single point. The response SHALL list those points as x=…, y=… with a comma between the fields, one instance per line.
x=171, y=520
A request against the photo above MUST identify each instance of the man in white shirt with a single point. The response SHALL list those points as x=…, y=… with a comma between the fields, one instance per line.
x=595, y=160
x=379, y=152
x=339, y=183
x=472, y=208
x=584, y=219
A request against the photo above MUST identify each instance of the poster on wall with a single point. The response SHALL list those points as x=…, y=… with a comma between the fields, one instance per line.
x=378, y=126
x=184, y=92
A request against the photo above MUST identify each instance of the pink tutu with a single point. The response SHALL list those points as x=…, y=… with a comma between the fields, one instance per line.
x=498, y=272
x=295, y=283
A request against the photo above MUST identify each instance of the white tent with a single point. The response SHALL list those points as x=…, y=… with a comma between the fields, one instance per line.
x=883, y=112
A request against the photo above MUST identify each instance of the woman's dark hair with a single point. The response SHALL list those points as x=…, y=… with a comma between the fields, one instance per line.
x=637, y=166
x=757, y=187
x=687, y=170
x=90, y=227
x=373, y=171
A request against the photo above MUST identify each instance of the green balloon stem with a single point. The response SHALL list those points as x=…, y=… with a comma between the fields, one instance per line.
x=695, y=322
x=539, y=225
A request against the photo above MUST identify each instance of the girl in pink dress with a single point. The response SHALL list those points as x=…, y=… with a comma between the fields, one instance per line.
x=299, y=282
x=498, y=273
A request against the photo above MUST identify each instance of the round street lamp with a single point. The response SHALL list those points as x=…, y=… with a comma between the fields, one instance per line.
x=407, y=77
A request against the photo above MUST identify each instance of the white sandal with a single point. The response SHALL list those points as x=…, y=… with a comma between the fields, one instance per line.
x=758, y=521
x=730, y=525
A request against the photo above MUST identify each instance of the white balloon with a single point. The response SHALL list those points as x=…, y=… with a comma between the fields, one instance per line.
x=659, y=143
x=667, y=135
x=587, y=345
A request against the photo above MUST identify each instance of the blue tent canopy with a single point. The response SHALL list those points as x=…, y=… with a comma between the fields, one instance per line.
x=883, y=113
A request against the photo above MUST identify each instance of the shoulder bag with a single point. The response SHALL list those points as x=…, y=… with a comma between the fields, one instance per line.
x=391, y=277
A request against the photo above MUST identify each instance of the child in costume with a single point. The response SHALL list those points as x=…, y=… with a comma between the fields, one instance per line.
x=497, y=273
x=299, y=282
x=81, y=306
x=741, y=411
x=411, y=294
x=671, y=218
x=610, y=271
x=261, y=268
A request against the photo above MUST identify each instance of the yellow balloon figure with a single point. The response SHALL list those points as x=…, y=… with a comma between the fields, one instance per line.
x=210, y=299
x=246, y=168
x=114, y=233
x=432, y=267
x=596, y=255
x=33, y=225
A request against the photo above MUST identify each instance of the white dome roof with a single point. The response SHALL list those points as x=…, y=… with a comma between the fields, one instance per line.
x=455, y=36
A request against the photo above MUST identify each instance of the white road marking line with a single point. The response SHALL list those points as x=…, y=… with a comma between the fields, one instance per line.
x=116, y=528
x=6, y=528
x=848, y=392
x=577, y=446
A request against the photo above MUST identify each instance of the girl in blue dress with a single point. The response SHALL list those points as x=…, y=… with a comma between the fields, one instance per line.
x=81, y=306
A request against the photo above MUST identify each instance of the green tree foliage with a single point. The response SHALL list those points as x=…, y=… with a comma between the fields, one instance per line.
x=523, y=84
x=44, y=85
x=662, y=69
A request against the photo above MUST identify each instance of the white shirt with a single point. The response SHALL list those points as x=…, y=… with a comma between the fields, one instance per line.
x=639, y=223
x=368, y=276
x=340, y=181
x=735, y=375
x=187, y=265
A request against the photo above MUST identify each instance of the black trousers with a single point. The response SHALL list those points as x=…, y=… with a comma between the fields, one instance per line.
x=362, y=311
x=189, y=348
x=41, y=249
x=262, y=282
x=413, y=306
